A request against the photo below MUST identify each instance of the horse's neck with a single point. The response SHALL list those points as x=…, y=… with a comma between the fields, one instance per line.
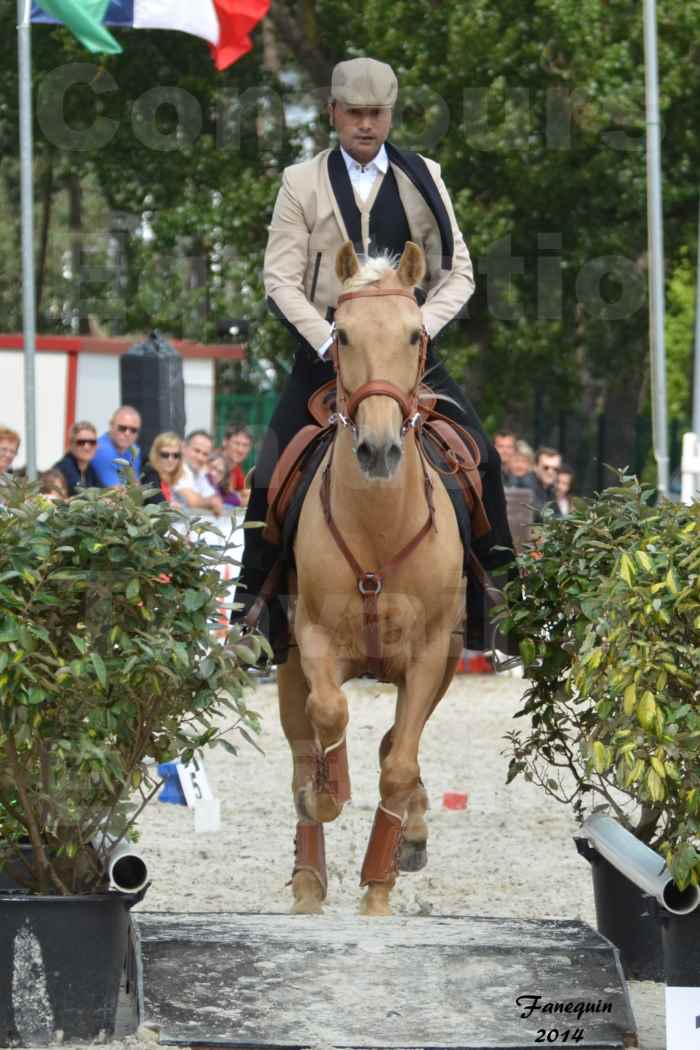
x=382, y=508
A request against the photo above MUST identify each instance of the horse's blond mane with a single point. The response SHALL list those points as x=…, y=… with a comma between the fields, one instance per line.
x=372, y=271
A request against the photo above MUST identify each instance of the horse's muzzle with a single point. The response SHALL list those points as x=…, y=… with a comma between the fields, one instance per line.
x=378, y=461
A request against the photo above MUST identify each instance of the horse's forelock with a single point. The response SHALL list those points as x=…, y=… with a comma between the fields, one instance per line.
x=372, y=272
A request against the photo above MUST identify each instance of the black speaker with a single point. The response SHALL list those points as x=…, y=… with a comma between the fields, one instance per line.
x=152, y=382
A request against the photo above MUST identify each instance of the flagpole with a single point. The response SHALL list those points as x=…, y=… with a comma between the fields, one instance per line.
x=656, y=251
x=24, y=49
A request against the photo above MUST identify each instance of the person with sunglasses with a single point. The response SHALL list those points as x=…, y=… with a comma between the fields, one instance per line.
x=164, y=468
x=76, y=466
x=119, y=442
x=547, y=464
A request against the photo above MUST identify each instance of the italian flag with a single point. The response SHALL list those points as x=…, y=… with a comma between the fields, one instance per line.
x=224, y=24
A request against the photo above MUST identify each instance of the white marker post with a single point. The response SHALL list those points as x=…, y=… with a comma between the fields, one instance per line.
x=682, y=1018
x=199, y=796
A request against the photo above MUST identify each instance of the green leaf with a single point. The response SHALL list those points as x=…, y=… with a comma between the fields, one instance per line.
x=630, y=699
x=600, y=756
x=8, y=631
x=79, y=643
x=133, y=589
x=658, y=766
x=194, y=600
x=655, y=786
x=644, y=560
x=100, y=669
x=627, y=570
x=646, y=711
x=246, y=736
x=527, y=651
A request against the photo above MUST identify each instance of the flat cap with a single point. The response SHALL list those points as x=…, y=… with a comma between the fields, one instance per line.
x=364, y=82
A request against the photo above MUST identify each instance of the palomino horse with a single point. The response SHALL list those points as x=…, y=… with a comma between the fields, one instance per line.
x=379, y=584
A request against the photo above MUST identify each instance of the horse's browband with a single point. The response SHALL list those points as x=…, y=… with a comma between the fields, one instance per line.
x=375, y=291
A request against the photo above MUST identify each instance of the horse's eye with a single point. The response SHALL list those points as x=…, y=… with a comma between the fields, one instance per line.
x=415, y=337
x=343, y=337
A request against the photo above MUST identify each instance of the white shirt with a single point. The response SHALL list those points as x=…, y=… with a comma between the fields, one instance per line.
x=362, y=178
x=195, y=481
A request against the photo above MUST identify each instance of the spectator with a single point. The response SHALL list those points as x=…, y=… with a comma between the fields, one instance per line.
x=522, y=467
x=9, y=446
x=547, y=463
x=76, y=466
x=504, y=440
x=564, y=487
x=217, y=471
x=164, y=468
x=194, y=487
x=236, y=447
x=53, y=484
x=119, y=442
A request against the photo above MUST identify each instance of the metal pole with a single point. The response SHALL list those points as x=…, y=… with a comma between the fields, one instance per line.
x=696, y=369
x=656, y=251
x=24, y=47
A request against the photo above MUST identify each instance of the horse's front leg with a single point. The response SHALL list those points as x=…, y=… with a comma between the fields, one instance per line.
x=327, y=785
x=309, y=878
x=400, y=787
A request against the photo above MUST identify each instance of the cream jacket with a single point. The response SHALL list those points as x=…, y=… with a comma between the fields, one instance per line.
x=307, y=231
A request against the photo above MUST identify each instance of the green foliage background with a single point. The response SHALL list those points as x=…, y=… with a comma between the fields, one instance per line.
x=535, y=111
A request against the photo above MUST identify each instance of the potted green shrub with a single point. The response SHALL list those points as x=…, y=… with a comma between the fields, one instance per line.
x=608, y=609
x=107, y=667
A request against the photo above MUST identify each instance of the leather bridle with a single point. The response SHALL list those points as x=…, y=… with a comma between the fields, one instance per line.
x=347, y=404
x=370, y=584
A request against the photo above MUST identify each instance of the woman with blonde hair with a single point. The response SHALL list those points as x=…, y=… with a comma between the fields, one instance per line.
x=164, y=468
x=76, y=466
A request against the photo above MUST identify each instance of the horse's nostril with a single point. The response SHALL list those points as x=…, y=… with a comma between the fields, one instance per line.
x=365, y=455
x=393, y=456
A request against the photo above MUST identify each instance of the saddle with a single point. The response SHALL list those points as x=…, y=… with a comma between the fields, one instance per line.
x=451, y=450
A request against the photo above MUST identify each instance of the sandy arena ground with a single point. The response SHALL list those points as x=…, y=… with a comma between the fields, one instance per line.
x=508, y=854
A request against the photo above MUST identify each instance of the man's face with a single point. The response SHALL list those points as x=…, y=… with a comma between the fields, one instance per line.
x=124, y=429
x=505, y=446
x=237, y=448
x=362, y=131
x=546, y=469
x=8, y=451
x=198, y=451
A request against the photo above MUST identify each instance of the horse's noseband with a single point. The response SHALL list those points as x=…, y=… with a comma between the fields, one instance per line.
x=347, y=405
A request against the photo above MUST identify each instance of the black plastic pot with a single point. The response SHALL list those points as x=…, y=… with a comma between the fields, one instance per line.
x=680, y=937
x=61, y=965
x=626, y=916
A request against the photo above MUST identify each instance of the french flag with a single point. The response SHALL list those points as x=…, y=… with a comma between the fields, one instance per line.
x=224, y=24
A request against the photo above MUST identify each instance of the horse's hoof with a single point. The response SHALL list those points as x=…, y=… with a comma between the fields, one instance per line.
x=308, y=906
x=413, y=855
x=374, y=907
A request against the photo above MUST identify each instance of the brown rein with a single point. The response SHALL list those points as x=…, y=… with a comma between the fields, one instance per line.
x=370, y=584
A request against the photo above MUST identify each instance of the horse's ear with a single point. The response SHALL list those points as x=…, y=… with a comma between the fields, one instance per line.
x=346, y=264
x=411, y=265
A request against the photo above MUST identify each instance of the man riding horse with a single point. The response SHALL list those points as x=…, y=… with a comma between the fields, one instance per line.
x=368, y=192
